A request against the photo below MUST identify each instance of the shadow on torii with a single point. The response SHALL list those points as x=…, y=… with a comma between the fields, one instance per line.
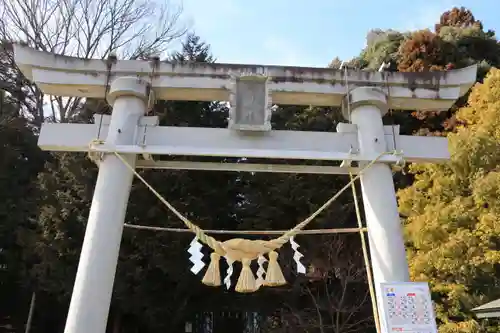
x=251, y=91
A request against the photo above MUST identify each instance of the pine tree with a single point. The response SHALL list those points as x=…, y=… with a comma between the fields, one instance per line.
x=153, y=267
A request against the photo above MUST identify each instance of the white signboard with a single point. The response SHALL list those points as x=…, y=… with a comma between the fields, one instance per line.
x=407, y=307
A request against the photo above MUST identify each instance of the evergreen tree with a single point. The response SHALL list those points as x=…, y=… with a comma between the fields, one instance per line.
x=459, y=40
x=452, y=222
x=333, y=295
x=153, y=267
x=381, y=46
x=21, y=161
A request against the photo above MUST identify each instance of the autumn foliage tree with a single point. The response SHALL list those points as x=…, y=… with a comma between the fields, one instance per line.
x=453, y=215
x=458, y=41
x=424, y=51
x=457, y=17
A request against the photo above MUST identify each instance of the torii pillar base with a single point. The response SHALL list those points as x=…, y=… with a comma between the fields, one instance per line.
x=385, y=234
x=91, y=298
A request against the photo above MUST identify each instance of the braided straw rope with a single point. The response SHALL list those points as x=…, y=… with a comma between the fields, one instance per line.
x=280, y=241
x=260, y=246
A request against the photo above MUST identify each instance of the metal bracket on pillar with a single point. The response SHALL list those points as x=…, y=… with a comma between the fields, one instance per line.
x=144, y=123
x=348, y=128
x=250, y=102
x=391, y=133
x=142, y=130
x=401, y=163
x=348, y=162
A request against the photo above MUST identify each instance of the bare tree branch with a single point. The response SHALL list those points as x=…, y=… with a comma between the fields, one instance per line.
x=130, y=29
x=335, y=298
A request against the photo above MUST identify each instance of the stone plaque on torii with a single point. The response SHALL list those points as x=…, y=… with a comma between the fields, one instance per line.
x=251, y=91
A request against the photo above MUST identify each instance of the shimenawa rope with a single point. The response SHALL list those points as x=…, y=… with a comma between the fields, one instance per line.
x=238, y=249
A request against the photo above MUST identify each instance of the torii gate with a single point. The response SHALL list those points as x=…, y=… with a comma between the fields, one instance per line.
x=251, y=90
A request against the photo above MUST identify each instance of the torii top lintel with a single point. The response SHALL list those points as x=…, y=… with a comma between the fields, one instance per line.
x=70, y=76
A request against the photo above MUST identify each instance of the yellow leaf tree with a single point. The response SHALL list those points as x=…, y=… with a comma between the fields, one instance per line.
x=452, y=216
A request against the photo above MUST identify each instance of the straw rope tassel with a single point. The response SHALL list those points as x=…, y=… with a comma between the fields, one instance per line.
x=274, y=275
x=212, y=275
x=246, y=281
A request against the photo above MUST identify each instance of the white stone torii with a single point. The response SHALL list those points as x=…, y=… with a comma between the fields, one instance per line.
x=251, y=90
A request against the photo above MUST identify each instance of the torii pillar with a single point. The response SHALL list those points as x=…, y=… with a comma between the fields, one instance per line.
x=385, y=234
x=91, y=298
x=251, y=90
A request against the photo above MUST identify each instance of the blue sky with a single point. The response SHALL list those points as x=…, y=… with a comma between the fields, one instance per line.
x=312, y=32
